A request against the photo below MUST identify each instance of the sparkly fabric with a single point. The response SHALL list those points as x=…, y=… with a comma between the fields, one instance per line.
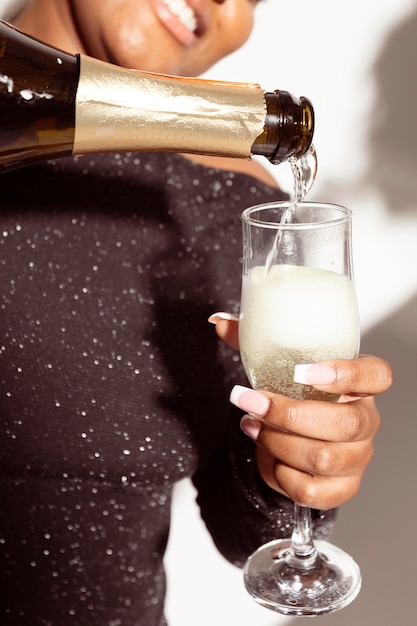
x=113, y=385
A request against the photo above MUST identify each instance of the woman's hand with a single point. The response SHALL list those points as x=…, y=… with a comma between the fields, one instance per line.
x=314, y=452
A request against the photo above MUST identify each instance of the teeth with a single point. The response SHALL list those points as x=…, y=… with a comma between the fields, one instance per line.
x=184, y=13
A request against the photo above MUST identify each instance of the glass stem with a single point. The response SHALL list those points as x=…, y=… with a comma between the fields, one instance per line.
x=302, y=554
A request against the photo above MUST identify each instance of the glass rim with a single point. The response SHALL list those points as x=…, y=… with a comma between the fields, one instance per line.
x=342, y=215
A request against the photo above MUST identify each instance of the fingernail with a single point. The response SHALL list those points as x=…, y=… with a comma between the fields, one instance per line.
x=216, y=317
x=249, y=400
x=315, y=374
x=250, y=427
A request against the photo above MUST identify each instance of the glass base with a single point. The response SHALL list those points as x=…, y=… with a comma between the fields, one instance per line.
x=331, y=584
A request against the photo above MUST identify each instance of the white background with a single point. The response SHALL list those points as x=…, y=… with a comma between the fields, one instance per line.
x=357, y=62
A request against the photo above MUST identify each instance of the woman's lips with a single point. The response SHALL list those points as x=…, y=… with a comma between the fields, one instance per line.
x=178, y=18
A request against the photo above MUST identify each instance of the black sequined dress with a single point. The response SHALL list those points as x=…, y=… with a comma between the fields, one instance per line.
x=113, y=386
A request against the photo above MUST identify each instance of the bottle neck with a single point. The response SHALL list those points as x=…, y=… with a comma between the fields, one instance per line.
x=119, y=109
x=289, y=127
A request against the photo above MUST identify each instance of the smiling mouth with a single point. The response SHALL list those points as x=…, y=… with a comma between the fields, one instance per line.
x=183, y=12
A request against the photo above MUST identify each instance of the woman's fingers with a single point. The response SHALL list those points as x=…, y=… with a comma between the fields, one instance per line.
x=324, y=421
x=319, y=492
x=366, y=375
x=337, y=422
x=227, y=327
x=314, y=456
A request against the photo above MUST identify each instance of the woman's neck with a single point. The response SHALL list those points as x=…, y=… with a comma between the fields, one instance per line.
x=51, y=21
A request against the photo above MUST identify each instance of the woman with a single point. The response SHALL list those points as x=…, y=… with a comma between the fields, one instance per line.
x=113, y=385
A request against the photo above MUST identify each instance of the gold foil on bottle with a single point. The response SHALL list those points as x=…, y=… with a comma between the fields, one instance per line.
x=119, y=109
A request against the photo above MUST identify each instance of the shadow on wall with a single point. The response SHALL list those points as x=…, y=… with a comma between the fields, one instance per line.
x=393, y=132
x=379, y=525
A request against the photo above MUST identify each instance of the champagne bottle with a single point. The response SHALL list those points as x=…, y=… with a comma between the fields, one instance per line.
x=55, y=104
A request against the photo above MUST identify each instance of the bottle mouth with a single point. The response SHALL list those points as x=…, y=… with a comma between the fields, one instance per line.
x=294, y=119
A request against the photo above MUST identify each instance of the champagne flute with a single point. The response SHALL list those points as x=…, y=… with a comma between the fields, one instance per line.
x=298, y=306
